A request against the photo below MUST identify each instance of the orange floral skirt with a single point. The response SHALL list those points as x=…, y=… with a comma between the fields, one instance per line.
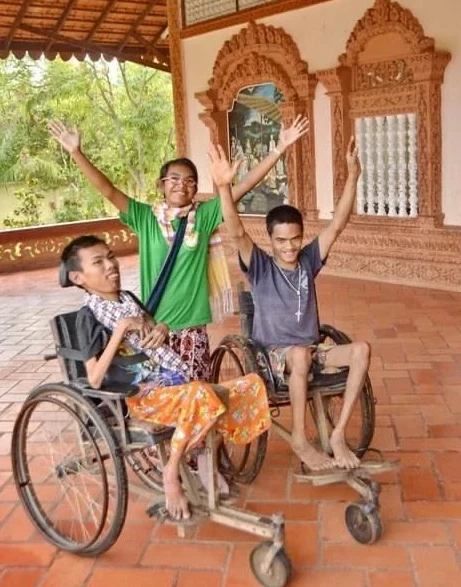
x=193, y=408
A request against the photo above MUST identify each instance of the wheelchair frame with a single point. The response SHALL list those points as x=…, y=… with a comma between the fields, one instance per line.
x=362, y=518
x=105, y=435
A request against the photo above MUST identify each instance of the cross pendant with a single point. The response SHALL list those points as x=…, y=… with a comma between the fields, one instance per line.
x=298, y=315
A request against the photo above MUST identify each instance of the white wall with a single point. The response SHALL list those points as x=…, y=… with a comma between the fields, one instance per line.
x=321, y=33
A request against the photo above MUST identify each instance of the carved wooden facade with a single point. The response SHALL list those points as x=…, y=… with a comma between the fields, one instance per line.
x=391, y=67
x=260, y=54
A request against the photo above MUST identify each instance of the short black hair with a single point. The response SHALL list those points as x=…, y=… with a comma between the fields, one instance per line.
x=69, y=257
x=283, y=215
x=181, y=161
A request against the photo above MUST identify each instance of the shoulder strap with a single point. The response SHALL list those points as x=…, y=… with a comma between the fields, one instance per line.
x=160, y=285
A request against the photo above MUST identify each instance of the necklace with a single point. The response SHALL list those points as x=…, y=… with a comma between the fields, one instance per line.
x=297, y=290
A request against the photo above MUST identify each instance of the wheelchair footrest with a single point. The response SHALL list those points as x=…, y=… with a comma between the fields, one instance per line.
x=336, y=475
x=158, y=510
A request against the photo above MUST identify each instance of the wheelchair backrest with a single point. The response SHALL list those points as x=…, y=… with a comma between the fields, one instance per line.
x=65, y=337
x=247, y=310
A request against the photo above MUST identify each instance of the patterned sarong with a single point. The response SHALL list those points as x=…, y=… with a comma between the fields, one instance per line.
x=194, y=408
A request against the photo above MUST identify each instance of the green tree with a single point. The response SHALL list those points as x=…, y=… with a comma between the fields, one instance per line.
x=123, y=111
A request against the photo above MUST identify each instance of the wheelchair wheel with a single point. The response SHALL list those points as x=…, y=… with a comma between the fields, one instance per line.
x=68, y=471
x=360, y=429
x=278, y=574
x=233, y=358
x=145, y=463
x=364, y=523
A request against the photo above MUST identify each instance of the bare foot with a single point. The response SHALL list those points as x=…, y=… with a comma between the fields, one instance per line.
x=344, y=457
x=311, y=457
x=176, y=502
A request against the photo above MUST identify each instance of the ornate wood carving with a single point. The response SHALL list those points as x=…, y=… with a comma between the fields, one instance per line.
x=393, y=69
x=34, y=248
x=180, y=116
x=260, y=54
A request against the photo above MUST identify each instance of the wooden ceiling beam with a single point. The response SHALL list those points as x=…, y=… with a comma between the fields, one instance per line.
x=61, y=21
x=99, y=20
x=136, y=23
x=151, y=48
x=17, y=22
x=98, y=49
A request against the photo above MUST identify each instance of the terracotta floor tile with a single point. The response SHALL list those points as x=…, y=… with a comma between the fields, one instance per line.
x=26, y=554
x=421, y=510
x=123, y=577
x=17, y=527
x=418, y=485
x=436, y=566
x=21, y=578
x=199, y=578
x=397, y=578
x=59, y=573
x=360, y=557
x=129, y=547
x=186, y=555
x=415, y=533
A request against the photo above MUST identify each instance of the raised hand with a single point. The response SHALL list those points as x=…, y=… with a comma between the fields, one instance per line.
x=290, y=135
x=68, y=139
x=222, y=171
x=352, y=158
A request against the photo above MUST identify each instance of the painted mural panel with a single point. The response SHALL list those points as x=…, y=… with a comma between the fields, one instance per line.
x=254, y=125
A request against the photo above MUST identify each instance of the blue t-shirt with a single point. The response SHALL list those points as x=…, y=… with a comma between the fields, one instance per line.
x=277, y=322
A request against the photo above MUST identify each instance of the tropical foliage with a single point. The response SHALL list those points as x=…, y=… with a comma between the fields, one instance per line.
x=125, y=117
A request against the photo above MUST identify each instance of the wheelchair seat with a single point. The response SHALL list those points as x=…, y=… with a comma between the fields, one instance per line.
x=324, y=381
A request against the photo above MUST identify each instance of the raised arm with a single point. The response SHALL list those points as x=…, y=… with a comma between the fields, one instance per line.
x=223, y=172
x=287, y=137
x=70, y=141
x=345, y=205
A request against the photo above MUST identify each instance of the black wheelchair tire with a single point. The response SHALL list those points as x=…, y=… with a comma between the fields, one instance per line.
x=248, y=466
x=64, y=395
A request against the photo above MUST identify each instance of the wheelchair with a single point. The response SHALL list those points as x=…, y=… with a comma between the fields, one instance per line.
x=237, y=355
x=70, y=451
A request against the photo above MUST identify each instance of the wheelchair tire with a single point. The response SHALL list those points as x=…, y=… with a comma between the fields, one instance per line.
x=241, y=465
x=280, y=571
x=68, y=471
x=362, y=437
x=145, y=464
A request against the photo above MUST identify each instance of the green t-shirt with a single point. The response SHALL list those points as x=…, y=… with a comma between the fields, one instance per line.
x=185, y=301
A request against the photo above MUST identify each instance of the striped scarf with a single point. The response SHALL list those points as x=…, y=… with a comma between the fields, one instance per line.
x=109, y=314
x=219, y=282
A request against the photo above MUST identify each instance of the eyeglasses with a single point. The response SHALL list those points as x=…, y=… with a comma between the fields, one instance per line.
x=175, y=179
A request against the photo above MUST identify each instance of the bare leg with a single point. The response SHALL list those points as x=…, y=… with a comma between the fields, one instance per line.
x=358, y=361
x=298, y=365
x=176, y=501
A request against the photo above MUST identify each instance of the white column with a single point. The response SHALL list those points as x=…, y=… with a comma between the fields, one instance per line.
x=361, y=144
x=412, y=166
x=380, y=165
x=370, y=164
x=392, y=164
x=402, y=163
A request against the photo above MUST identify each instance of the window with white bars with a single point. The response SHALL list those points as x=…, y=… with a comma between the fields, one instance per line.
x=387, y=147
x=196, y=11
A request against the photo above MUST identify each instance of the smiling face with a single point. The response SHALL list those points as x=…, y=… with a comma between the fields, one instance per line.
x=286, y=241
x=99, y=271
x=178, y=185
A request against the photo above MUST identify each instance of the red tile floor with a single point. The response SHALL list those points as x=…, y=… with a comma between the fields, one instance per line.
x=416, y=374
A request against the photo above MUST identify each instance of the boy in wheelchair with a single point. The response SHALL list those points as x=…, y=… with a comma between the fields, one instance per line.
x=112, y=322
x=286, y=318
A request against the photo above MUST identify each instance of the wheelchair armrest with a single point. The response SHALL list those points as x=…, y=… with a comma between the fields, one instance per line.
x=108, y=391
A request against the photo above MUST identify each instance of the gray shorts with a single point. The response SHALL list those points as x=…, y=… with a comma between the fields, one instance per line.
x=278, y=356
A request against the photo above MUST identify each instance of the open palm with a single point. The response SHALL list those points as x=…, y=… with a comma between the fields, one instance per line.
x=289, y=135
x=221, y=170
x=68, y=139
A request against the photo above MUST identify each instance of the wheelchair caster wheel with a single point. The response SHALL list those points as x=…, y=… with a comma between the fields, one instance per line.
x=278, y=574
x=364, y=522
